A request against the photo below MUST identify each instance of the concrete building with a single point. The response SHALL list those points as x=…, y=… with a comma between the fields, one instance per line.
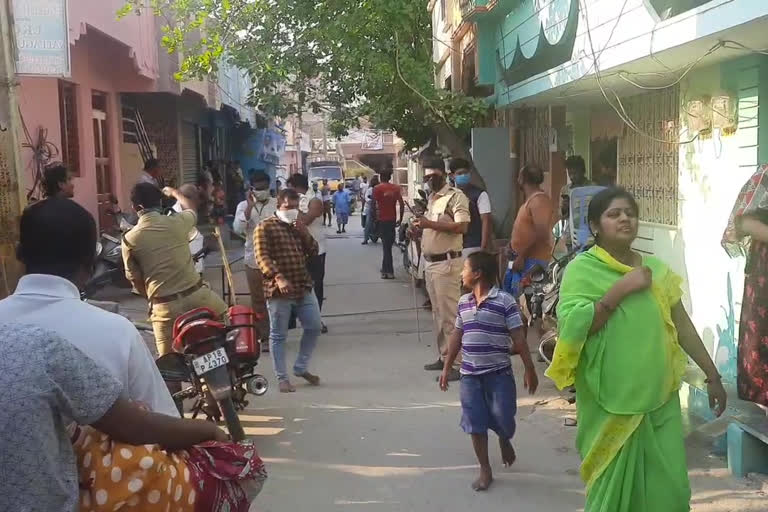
x=660, y=96
x=298, y=146
x=120, y=105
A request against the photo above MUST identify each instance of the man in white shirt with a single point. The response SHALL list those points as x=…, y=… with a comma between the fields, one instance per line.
x=151, y=173
x=363, y=189
x=258, y=205
x=310, y=211
x=57, y=245
x=479, y=235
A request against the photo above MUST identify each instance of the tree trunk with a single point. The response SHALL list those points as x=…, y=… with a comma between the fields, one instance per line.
x=448, y=137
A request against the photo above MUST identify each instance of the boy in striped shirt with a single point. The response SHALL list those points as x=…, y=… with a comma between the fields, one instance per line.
x=488, y=320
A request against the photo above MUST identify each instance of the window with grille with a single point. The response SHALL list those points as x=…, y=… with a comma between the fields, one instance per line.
x=70, y=142
x=648, y=164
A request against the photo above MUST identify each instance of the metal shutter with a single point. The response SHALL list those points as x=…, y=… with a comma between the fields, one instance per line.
x=190, y=153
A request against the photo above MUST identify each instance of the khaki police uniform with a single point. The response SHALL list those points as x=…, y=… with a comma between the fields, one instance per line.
x=443, y=254
x=156, y=251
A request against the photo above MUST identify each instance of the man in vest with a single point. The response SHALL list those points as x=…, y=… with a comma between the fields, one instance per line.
x=479, y=235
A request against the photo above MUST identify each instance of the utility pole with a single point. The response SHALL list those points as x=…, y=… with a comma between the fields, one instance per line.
x=325, y=138
x=12, y=198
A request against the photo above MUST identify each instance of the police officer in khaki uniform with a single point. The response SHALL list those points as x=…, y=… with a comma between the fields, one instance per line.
x=443, y=225
x=159, y=264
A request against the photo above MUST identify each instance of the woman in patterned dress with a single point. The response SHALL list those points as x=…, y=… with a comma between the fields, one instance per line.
x=747, y=235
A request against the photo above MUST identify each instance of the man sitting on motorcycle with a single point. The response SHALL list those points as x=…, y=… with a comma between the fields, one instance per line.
x=57, y=246
x=159, y=264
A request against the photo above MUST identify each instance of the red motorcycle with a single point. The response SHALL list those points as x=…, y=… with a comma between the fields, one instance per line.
x=219, y=357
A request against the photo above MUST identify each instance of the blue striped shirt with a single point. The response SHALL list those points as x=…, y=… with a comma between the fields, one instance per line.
x=485, y=341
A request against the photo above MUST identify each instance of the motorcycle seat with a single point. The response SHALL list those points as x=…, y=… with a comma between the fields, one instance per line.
x=191, y=316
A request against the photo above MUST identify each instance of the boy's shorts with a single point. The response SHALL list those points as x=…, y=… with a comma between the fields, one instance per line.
x=489, y=401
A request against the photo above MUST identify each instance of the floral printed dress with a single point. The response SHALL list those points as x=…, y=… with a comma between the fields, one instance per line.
x=752, y=380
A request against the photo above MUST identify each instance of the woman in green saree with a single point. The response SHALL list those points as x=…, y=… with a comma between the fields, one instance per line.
x=619, y=318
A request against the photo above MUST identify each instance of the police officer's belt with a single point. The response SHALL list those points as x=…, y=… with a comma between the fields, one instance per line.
x=432, y=258
x=169, y=298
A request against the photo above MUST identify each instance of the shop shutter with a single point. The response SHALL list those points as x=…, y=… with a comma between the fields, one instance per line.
x=190, y=153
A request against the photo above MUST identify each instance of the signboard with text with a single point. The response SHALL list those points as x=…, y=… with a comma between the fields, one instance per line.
x=41, y=37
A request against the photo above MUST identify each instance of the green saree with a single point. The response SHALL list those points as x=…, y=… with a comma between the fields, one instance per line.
x=627, y=376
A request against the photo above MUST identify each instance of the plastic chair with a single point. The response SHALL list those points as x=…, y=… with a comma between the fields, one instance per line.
x=580, y=198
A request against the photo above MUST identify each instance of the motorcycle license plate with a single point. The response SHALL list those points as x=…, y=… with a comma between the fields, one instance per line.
x=210, y=361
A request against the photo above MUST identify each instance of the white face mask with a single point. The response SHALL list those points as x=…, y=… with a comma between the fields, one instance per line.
x=288, y=216
x=261, y=195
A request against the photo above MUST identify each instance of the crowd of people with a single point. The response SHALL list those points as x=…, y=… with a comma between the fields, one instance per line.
x=624, y=335
x=87, y=392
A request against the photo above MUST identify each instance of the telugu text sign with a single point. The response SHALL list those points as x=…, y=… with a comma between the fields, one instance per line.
x=41, y=37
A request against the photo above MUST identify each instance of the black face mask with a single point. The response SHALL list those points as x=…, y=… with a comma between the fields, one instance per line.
x=436, y=182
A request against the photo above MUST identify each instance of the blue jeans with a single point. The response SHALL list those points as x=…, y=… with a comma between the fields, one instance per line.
x=370, y=225
x=308, y=312
x=489, y=402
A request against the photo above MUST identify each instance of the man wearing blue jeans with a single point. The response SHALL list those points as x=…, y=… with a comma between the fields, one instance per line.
x=283, y=245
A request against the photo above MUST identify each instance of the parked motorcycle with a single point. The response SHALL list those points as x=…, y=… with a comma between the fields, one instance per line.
x=580, y=239
x=109, y=253
x=219, y=357
x=109, y=266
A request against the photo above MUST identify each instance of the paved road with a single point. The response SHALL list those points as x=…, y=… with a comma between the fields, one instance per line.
x=379, y=435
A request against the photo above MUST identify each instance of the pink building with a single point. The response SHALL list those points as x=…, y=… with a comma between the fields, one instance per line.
x=81, y=114
x=119, y=72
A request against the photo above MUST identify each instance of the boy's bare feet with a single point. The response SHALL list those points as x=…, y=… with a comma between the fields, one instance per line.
x=508, y=455
x=483, y=482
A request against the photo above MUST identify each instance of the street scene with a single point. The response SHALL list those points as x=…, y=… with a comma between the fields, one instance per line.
x=267, y=255
x=380, y=435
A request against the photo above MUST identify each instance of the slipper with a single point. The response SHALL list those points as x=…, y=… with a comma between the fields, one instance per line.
x=313, y=380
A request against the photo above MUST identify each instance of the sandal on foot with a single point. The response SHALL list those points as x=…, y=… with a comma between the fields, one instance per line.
x=313, y=380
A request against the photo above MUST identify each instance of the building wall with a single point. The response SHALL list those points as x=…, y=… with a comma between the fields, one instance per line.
x=39, y=106
x=98, y=64
x=136, y=33
x=712, y=171
x=618, y=37
x=579, y=130
x=161, y=121
x=441, y=40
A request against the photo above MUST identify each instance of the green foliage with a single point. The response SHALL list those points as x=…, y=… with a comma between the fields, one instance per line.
x=351, y=58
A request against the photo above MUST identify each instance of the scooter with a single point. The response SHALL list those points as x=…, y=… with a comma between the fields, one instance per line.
x=581, y=239
x=219, y=357
x=548, y=296
x=109, y=253
x=108, y=272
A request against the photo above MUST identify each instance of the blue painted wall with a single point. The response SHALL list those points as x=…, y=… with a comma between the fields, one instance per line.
x=262, y=151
